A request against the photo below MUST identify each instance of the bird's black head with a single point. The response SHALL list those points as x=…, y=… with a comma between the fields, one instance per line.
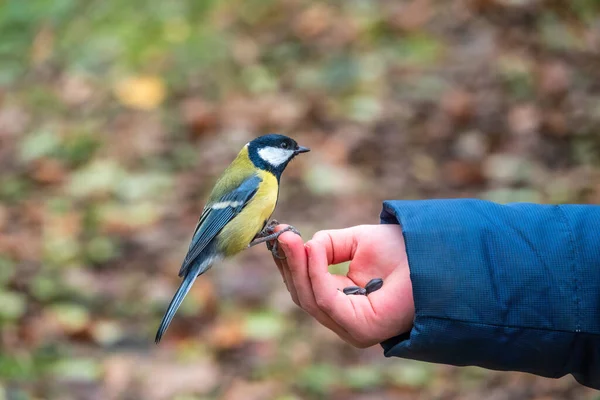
x=273, y=152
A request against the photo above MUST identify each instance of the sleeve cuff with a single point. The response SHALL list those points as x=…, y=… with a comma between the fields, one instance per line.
x=493, y=286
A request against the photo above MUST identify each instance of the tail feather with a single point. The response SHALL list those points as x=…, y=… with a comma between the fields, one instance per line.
x=183, y=289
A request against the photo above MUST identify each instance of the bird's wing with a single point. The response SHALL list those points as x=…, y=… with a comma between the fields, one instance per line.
x=216, y=215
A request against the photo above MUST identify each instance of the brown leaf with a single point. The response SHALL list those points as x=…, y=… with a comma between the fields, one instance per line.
x=21, y=246
x=458, y=105
x=463, y=173
x=63, y=225
x=199, y=115
x=313, y=21
x=413, y=16
x=227, y=333
x=49, y=171
x=479, y=5
x=3, y=216
x=204, y=292
x=555, y=124
x=554, y=79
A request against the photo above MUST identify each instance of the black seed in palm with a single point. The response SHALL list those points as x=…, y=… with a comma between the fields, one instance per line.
x=373, y=285
x=354, y=290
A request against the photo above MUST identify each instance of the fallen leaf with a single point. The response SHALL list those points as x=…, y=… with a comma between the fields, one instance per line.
x=413, y=16
x=458, y=104
x=3, y=216
x=199, y=115
x=164, y=381
x=554, y=79
x=555, y=123
x=463, y=173
x=227, y=333
x=313, y=21
x=141, y=92
x=49, y=171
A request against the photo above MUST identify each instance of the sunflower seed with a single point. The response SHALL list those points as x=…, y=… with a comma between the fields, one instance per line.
x=373, y=285
x=354, y=290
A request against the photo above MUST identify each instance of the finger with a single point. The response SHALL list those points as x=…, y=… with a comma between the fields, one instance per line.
x=343, y=245
x=295, y=264
x=339, y=244
x=291, y=247
x=328, y=298
x=279, y=264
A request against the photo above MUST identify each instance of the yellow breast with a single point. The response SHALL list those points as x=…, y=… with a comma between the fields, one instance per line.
x=240, y=231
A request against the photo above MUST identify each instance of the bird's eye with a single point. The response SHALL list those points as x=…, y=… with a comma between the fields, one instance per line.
x=284, y=145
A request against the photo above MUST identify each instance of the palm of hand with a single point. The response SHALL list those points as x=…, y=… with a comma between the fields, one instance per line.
x=378, y=252
x=375, y=251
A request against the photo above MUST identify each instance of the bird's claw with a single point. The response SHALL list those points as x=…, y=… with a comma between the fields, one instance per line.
x=273, y=244
x=269, y=236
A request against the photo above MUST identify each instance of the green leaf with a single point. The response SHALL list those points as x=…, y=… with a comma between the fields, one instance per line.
x=73, y=316
x=7, y=269
x=319, y=378
x=13, y=305
x=264, y=325
x=101, y=249
x=99, y=177
x=418, y=50
x=83, y=369
x=39, y=144
x=362, y=377
x=411, y=373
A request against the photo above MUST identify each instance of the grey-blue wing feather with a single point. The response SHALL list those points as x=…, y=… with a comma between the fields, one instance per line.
x=213, y=220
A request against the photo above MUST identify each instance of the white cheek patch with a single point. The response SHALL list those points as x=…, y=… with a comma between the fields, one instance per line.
x=224, y=204
x=275, y=155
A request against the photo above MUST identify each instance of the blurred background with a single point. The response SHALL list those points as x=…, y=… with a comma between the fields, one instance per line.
x=116, y=118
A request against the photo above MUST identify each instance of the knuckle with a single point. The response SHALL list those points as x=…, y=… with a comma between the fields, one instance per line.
x=322, y=236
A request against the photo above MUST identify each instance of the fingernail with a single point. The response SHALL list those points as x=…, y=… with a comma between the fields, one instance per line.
x=308, y=250
x=284, y=246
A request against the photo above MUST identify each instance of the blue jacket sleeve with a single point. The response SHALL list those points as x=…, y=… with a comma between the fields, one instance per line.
x=505, y=287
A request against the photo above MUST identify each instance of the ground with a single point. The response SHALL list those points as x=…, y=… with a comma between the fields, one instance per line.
x=117, y=117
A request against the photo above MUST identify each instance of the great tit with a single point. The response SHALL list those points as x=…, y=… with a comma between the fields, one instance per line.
x=237, y=211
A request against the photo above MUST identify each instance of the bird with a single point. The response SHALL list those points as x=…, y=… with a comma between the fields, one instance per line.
x=237, y=212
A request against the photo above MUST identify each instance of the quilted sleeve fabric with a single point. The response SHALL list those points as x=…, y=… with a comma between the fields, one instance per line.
x=505, y=287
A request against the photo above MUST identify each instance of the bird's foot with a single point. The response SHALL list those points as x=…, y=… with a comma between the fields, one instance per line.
x=371, y=286
x=269, y=235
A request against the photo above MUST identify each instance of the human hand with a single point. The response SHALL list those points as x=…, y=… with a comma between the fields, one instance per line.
x=375, y=251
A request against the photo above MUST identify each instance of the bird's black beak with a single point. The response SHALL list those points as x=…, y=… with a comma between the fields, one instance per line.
x=301, y=149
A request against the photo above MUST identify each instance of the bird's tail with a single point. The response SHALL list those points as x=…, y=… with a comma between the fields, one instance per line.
x=183, y=289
